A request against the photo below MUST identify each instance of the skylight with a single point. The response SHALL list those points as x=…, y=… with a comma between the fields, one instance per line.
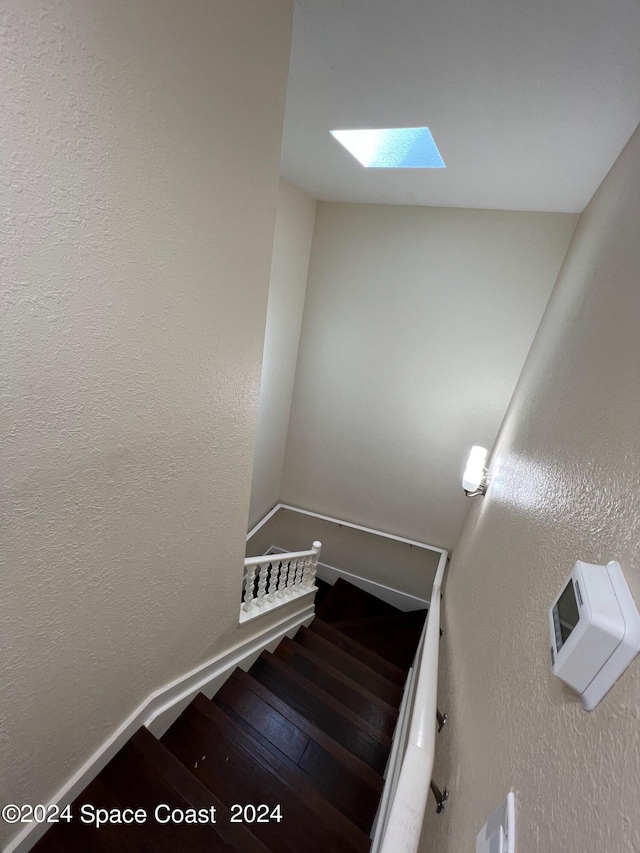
x=392, y=148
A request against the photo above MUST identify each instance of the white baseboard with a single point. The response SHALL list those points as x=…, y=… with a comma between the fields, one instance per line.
x=162, y=708
x=330, y=574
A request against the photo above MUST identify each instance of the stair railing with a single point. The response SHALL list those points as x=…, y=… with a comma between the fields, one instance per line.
x=276, y=579
x=400, y=824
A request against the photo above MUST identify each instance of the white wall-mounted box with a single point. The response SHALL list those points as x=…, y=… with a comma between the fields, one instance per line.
x=594, y=630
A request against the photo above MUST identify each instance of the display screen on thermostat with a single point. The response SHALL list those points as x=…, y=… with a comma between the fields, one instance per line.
x=567, y=615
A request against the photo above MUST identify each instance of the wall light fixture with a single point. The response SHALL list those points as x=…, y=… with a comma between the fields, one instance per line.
x=474, y=479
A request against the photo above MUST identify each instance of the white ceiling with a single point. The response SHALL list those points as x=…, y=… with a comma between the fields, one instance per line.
x=529, y=101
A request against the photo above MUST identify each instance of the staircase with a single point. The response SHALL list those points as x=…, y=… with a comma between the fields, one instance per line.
x=288, y=757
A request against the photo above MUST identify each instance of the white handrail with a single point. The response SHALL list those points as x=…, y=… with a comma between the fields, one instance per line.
x=341, y=522
x=279, y=557
x=401, y=834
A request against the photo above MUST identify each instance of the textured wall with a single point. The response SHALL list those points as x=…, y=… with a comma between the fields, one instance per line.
x=384, y=561
x=566, y=486
x=139, y=155
x=417, y=323
x=289, y=267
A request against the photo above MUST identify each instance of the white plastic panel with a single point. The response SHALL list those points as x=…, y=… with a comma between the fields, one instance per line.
x=499, y=832
x=604, y=636
x=628, y=648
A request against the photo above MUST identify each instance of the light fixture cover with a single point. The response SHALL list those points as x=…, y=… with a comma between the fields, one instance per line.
x=392, y=147
x=474, y=473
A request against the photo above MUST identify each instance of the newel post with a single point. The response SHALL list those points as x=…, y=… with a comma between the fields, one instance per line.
x=312, y=564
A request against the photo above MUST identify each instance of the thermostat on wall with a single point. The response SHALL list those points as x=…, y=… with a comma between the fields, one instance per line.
x=594, y=627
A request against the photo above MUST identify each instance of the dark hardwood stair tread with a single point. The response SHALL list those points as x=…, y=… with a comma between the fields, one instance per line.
x=396, y=645
x=355, y=764
x=358, y=651
x=131, y=781
x=252, y=774
x=318, y=706
x=411, y=620
x=77, y=837
x=367, y=705
x=345, y=781
x=198, y=795
x=347, y=601
x=376, y=683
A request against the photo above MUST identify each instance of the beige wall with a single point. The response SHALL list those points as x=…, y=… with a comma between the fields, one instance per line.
x=417, y=323
x=402, y=567
x=566, y=486
x=140, y=149
x=289, y=267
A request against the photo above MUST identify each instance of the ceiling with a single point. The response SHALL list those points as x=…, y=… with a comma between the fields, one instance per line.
x=529, y=101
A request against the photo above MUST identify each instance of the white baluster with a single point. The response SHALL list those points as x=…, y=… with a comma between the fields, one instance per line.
x=263, y=570
x=306, y=569
x=273, y=580
x=291, y=579
x=282, y=584
x=299, y=572
x=248, y=587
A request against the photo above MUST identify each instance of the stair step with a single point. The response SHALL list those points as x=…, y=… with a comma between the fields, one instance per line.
x=413, y=619
x=239, y=769
x=394, y=638
x=144, y=775
x=355, y=764
x=357, y=650
x=347, y=601
x=398, y=648
x=388, y=690
x=324, y=589
x=322, y=709
x=344, y=780
x=320, y=671
x=237, y=835
x=76, y=837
